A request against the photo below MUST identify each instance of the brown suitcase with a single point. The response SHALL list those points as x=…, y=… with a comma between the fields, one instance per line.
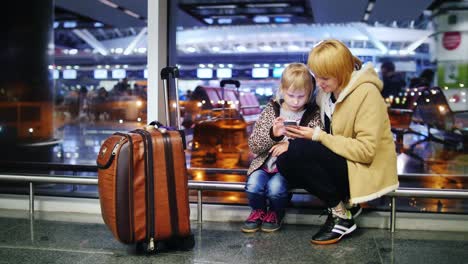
x=143, y=188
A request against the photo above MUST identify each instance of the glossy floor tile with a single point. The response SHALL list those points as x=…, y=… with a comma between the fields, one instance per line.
x=216, y=242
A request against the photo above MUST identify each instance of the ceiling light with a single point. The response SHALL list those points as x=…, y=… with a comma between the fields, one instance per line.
x=133, y=14
x=366, y=16
x=370, y=6
x=109, y=3
x=224, y=20
x=216, y=6
x=208, y=20
x=268, y=5
x=261, y=19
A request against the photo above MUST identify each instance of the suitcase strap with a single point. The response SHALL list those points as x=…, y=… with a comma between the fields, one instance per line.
x=171, y=185
x=149, y=169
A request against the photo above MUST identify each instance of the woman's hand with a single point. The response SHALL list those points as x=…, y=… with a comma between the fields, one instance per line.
x=278, y=127
x=279, y=148
x=299, y=132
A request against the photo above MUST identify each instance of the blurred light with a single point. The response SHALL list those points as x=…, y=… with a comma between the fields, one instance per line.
x=442, y=109
x=120, y=121
x=69, y=24
x=98, y=24
x=139, y=119
x=139, y=103
x=261, y=19
x=293, y=47
x=215, y=49
x=230, y=65
x=462, y=85
x=73, y=52
x=266, y=48
x=56, y=24
x=224, y=20
x=109, y=3
x=241, y=48
x=282, y=19
x=130, y=13
x=31, y=130
x=208, y=20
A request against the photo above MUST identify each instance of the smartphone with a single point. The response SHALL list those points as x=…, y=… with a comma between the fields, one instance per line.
x=290, y=123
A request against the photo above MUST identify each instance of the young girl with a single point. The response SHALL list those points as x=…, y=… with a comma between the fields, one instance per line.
x=266, y=188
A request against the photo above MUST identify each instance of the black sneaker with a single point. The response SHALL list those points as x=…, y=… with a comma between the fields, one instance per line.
x=333, y=230
x=254, y=221
x=271, y=222
x=355, y=210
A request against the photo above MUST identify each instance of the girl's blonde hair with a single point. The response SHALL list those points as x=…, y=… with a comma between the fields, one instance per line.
x=298, y=77
x=331, y=58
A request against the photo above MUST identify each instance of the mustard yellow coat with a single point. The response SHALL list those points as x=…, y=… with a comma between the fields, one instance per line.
x=361, y=134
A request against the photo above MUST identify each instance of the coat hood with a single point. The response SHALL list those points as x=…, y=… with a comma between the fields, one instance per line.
x=366, y=74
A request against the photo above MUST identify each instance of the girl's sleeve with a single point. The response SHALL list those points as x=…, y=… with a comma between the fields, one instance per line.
x=260, y=140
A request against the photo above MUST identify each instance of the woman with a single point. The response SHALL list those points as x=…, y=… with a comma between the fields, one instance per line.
x=353, y=159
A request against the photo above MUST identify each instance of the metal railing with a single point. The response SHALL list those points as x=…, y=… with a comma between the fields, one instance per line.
x=201, y=186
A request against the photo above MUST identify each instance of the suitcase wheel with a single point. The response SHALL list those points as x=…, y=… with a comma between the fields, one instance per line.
x=187, y=243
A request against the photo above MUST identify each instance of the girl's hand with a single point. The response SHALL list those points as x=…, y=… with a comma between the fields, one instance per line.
x=278, y=127
x=279, y=148
x=299, y=132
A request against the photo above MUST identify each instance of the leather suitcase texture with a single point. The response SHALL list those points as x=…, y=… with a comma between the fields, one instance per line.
x=143, y=185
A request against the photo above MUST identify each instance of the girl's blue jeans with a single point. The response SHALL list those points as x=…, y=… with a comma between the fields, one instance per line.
x=262, y=186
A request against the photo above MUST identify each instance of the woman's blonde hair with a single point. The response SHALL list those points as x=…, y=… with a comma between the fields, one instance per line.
x=298, y=77
x=331, y=58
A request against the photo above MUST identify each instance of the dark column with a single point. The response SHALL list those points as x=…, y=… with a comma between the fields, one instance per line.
x=26, y=91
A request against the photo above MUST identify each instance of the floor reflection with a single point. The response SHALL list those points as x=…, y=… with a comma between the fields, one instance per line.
x=81, y=144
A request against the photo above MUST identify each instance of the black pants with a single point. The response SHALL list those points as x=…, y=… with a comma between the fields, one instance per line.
x=310, y=165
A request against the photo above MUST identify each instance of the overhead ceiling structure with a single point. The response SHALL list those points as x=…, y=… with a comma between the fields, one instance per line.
x=116, y=27
x=237, y=12
x=241, y=12
x=114, y=13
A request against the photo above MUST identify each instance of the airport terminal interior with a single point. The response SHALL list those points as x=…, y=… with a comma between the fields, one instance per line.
x=74, y=73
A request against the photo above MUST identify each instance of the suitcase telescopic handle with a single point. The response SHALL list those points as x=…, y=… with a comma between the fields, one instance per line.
x=230, y=81
x=165, y=73
x=222, y=84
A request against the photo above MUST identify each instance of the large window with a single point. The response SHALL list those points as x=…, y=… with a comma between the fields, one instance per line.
x=97, y=71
